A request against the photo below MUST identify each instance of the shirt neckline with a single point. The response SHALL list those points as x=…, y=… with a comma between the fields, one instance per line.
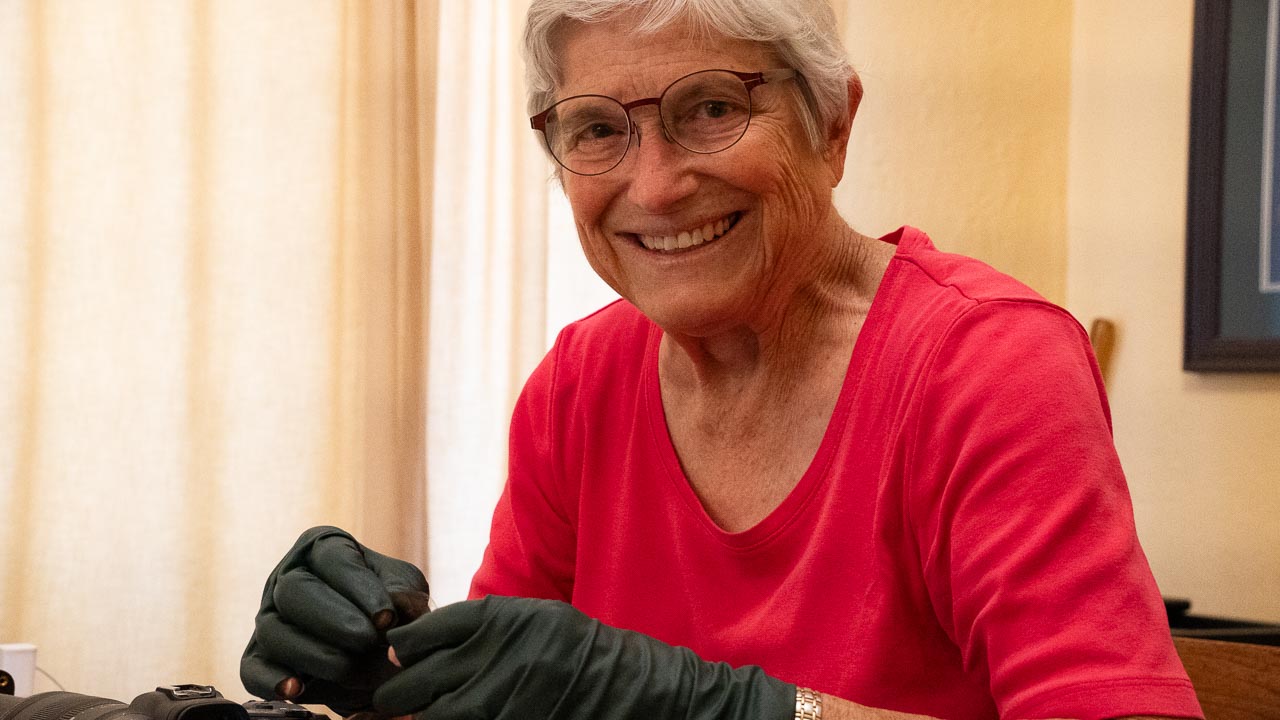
x=789, y=511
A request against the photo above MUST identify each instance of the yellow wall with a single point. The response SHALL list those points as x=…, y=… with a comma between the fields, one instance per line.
x=1202, y=452
x=1050, y=139
x=963, y=130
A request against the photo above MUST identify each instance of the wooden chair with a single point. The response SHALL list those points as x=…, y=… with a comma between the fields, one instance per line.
x=1234, y=681
x=1102, y=336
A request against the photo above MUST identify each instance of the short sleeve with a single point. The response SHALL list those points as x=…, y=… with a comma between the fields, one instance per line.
x=1025, y=525
x=532, y=539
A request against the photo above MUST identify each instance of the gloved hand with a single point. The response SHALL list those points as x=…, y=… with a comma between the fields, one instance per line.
x=505, y=658
x=319, y=636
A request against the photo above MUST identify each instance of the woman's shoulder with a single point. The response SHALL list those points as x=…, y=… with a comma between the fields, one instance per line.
x=967, y=278
x=930, y=293
x=616, y=327
x=604, y=348
x=933, y=303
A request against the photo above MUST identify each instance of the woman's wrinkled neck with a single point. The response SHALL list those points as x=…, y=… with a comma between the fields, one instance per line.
x=817, y=312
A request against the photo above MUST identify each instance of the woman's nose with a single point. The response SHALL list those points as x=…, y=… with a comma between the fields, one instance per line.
x=659, y=169
x=658, y=127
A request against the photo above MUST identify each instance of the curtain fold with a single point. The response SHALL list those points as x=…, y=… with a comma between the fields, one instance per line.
x=378, y=419
x=487, y=277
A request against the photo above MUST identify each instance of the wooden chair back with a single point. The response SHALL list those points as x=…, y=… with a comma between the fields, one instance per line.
x=1234, y=681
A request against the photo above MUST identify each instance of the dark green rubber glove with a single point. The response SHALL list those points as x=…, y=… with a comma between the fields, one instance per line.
x=505, y=658
x=322, y=622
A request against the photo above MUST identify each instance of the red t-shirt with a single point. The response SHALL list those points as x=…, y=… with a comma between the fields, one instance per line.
x=961, y=546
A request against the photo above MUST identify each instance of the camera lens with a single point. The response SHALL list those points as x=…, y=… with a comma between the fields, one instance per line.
x=63, y=706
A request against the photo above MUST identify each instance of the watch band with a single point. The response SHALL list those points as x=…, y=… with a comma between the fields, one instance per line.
x=808, y=704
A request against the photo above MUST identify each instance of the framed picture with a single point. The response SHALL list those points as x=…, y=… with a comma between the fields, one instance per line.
x=1233, y=200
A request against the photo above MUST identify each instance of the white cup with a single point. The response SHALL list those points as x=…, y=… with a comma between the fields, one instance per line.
x=19, y=660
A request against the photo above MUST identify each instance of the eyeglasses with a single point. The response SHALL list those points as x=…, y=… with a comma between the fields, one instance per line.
x=704, y=112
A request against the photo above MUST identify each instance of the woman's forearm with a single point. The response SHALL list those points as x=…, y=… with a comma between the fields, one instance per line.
x=834, y=708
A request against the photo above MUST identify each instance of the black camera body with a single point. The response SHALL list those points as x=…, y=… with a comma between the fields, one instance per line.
x=169, y=702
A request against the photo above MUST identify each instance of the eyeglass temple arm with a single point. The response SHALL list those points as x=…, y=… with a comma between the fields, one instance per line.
x=751, y=80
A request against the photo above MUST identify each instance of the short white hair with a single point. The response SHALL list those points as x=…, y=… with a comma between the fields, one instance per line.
x=802, y=33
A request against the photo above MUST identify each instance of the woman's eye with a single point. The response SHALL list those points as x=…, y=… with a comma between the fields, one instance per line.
x=599, y=131
x=719, y=110
x=715, y=108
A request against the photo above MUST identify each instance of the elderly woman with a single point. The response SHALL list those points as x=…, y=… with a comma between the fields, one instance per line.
x=796, y=472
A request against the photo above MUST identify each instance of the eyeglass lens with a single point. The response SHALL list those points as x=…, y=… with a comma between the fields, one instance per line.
x=705, y=112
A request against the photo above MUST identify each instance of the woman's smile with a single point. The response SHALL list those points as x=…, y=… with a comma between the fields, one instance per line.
x=689, y=239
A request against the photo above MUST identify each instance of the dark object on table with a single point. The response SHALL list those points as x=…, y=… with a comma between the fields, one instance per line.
x=280, y=709
x=1183, y=623
x=170, y=702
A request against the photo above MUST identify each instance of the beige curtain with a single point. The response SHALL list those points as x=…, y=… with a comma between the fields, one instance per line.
x=214, y=239
x=506, y=274
x=487, y=277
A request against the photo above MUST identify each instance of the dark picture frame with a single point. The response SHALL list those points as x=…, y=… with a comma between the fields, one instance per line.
x=1232, y=320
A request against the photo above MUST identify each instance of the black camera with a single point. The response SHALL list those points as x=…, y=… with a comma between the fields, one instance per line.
x=171, y=702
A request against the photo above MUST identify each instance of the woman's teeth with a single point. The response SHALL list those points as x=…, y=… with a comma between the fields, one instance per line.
x=689, y=238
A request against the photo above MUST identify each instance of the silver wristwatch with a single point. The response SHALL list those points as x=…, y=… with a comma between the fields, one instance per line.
x=808, y=704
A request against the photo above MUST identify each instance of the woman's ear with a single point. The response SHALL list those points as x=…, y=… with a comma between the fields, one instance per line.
x=838, y=135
